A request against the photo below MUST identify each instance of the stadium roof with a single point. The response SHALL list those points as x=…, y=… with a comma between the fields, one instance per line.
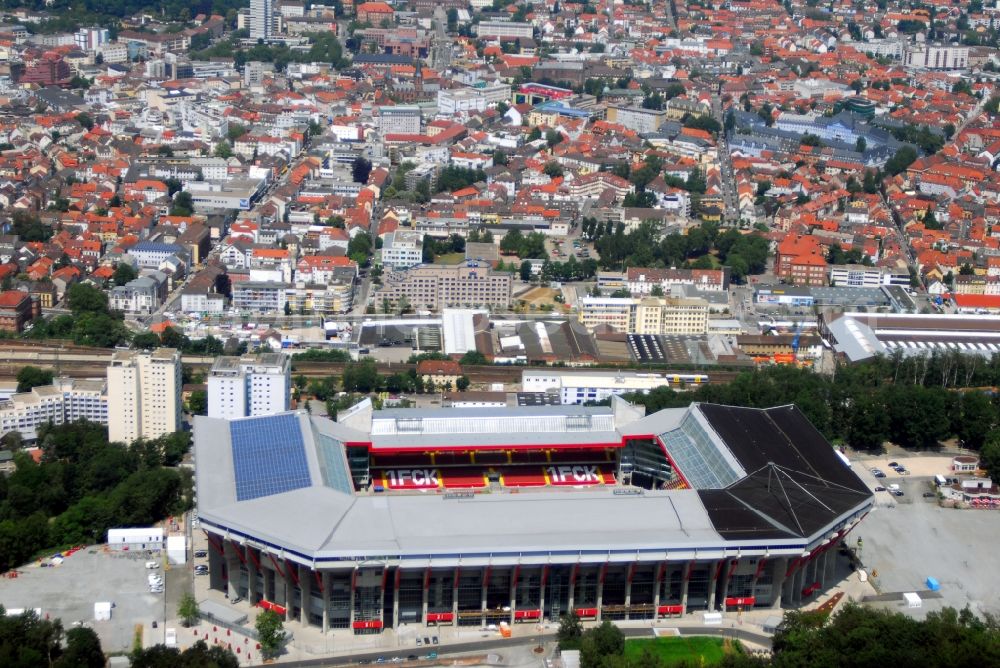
x=283, y=481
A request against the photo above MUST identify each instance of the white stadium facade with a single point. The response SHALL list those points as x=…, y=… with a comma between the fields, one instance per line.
x=483, y=515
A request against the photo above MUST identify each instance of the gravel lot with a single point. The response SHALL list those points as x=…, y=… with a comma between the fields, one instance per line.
x=70, y=590
x=909, y=538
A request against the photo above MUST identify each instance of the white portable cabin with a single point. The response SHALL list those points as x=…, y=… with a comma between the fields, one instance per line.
x=143, y=538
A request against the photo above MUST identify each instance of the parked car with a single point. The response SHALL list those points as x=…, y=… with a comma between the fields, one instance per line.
x=898, y=492
x=893, y=465
x=880, y=489
x=878, y=474
x=930, y=495
x=201, y=554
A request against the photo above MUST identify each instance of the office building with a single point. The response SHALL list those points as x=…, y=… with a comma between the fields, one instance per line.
x=579, y=387
x=617, y=515
x=400, y=119
x=936, y=56
x=144, y=394
x=504, y=30
x=648, y=315
x=435, y=287
x=249, y=386
x=402, y=249
x=65, y=400
x=641, y=120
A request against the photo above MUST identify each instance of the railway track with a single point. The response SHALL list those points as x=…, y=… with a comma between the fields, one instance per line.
x=86, y=362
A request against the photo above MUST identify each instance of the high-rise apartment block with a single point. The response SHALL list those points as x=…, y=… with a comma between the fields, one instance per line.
x=144, y=394
x=249, y=386
x=261, y=19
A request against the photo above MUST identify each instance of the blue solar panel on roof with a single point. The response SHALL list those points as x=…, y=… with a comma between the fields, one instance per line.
x=268, y=456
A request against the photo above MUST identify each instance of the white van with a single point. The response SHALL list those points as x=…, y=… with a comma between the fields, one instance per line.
x=152, y=564
x=940, y=480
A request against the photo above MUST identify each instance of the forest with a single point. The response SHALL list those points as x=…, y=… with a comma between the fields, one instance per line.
x=85, y=485
x=915, y=402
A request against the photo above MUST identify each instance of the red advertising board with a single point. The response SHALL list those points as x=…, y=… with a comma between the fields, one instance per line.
x=440, y=617
x=527, y=614
x=586, y=612
x=740, y=600
x=368, y=624
x=670, y=610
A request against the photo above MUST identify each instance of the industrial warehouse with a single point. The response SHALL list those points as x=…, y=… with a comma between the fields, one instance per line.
x=479, y=516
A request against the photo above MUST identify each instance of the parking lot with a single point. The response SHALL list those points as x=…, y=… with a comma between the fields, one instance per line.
x=908, y=538
x=69, y=591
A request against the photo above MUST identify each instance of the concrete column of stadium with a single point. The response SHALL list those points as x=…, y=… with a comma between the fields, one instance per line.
x=685, y=578
x=305, y=593
x=424, y=604
x=483, y=584
x=325, y=582
x=513, y=594
x=289, y=592
x=232, y=570
x=252, y=573
x=713, y=582
x=657, y=584
x=353, y=594
x=541, y=590
x=730, y=570
x=779, y=566
x=600, y=590
x=629, y=574
x=395, y=601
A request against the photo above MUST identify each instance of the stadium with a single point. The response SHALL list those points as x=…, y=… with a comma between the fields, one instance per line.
x=473, y=516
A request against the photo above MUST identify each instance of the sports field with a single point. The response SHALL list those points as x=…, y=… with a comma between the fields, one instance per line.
x=696, y=649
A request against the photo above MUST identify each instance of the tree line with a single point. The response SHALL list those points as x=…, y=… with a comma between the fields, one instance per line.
x=854, y=637
x=915, y=402
x=84, y=486
x=744, y=254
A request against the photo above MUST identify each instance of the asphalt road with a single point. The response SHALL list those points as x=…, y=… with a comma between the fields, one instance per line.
x=500, y=643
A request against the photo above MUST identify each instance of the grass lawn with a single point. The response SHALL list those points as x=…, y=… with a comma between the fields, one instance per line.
x=699, y=650
x=449, y=258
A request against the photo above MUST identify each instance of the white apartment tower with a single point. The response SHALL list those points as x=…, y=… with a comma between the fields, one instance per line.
x=261, y=19
x=144, y=394
x=249, y=386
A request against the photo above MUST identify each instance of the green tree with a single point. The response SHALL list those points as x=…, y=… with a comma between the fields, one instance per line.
x=146, y=341
x=31, y=376
x=183, y=204
x=462, y=383
x=198, y=402
x=552, y=169
x=978, y=419
x=270, y=633
x=223, y=150
x=570, y=631
x=83, y=650
x=599, y=643
x=187, y=610
x=472, y=358
x=124, y=273
x=525, y=271
x=84, y=298
x=360, y=169
x=989, y=456
x=85, y=120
